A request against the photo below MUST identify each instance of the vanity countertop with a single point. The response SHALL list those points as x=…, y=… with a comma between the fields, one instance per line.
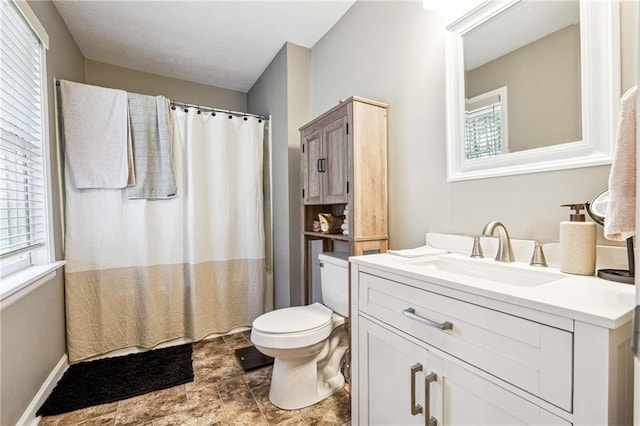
x=584, y=298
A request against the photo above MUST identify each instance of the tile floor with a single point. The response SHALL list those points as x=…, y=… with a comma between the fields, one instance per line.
x=221, y=393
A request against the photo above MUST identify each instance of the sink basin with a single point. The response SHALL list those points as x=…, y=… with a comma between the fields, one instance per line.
x=500, y=272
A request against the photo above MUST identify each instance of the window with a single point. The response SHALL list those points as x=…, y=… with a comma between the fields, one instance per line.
x=24, y=216
x=485, y=120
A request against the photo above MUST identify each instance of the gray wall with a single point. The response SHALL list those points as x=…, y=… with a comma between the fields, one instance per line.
x=269, y=96
x=394, y=52
x=282, y=91
x=298, y=114
x=105, y=75
x=32, y=331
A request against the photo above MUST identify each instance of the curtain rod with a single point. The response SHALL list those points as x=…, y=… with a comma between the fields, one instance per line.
x=209, y=109
x=217, y=110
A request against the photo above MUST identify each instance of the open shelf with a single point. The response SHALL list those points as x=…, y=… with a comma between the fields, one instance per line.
x=340, y=237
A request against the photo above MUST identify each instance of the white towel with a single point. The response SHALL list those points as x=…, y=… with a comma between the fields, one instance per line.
x=96, y=131
x=620, y=222
x=151, y=135
x=418, y=252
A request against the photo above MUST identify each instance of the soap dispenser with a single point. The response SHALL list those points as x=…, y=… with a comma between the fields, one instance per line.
x=577, y=243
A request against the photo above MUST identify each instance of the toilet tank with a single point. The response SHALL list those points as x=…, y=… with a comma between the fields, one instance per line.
x=334, y=281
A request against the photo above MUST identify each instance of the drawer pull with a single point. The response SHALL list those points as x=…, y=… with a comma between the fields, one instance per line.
x=415, y=408
x=428, y=420
x=411, y=313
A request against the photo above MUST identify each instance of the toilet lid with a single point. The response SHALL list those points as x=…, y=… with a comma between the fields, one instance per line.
x=294, y=320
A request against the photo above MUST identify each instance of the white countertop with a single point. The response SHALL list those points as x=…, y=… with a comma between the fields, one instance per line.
x=583, y=298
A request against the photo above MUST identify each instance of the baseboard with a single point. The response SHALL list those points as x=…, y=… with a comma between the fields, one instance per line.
x=29, y=417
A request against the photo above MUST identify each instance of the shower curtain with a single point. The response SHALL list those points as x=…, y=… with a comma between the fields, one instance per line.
x=143, y=272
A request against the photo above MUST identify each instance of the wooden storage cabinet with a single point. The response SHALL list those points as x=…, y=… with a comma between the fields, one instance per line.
x=344, y=166
x=324, y=164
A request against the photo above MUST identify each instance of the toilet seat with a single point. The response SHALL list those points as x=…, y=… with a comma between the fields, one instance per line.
x=294, y=327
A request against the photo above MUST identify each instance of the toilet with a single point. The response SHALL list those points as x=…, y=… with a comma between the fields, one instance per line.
x=308, y=342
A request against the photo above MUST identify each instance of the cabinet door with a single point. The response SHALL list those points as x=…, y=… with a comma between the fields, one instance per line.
x=311, y=176
x=334, y=165
x=392, y=378
x=454, y=395
x=471, y=399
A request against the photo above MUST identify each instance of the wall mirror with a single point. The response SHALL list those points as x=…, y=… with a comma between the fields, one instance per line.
x=532, y=86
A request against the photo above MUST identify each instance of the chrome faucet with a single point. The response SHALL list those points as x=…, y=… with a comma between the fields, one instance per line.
x=505, y=252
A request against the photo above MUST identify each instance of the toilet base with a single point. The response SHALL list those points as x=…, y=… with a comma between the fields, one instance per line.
x=298, y=382
x=296, y=388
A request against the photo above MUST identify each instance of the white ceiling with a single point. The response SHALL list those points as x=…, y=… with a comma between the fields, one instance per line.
x=220, y=43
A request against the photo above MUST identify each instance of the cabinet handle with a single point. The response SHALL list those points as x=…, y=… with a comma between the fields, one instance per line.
x=411, y=313
x=428, y=420
x=321, y=165
x=415, y=408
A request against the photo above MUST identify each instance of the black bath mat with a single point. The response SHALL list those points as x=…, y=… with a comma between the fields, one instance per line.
x=250, y=358
x=114, y=379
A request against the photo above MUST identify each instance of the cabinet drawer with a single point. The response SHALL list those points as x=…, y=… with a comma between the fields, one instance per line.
x=532, y=356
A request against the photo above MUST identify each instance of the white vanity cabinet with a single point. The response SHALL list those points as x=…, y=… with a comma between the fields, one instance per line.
x=454, y=395
x=429, y=354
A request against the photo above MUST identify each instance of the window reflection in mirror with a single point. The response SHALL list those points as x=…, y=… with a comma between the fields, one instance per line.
x=530, y=53
x=486, y=124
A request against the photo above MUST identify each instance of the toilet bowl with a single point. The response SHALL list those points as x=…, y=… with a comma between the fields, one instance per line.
x=308, y=343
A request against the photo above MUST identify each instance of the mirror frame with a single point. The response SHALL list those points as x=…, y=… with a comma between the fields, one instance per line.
x=600, y=89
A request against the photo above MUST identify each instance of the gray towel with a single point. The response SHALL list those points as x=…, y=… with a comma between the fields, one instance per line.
x=152, y=153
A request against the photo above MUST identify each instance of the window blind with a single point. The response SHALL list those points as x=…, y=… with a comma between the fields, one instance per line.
x=483, y=131
x=22, y=186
